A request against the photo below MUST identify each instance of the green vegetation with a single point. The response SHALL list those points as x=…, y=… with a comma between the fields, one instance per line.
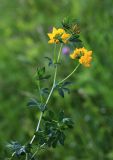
x=23, y=28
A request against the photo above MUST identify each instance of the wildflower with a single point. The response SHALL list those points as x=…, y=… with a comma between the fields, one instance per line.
x=58, y=35
x=65, y=50
x=86, y=59
x=75, y=54
x=84, y=56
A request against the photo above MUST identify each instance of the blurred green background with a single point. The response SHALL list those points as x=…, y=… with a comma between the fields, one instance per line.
x=23, y=45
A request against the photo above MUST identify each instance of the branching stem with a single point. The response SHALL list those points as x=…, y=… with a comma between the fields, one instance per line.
x=51, y=91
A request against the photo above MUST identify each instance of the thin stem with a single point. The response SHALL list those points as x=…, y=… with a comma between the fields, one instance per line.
x=51, y=91
x=37, y=150
x=26, y=156
x=12, y=156
x=69, y=74
x=37, y=128
x=54, y=56
x=41, y=98
x=59, y=54
x=34, y=153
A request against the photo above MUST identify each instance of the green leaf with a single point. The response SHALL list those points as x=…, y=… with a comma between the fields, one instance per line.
x=51, y=114
x=66, y=83
x=50, y=61
x=41, y=72
x=71, y=25
x=62, y=138
x=66, y=90
x=75, y=38
x=44, y=91
x=61, y=92
x=68, y=122
x=42, y=107
x=45, y=77
x=54, y=143
x=28, y=148
x=41, y=137
x=62, y=88
x=53, y=128
x=17, y=148
x=33, y=103
x=66, y=23
x=61, y=115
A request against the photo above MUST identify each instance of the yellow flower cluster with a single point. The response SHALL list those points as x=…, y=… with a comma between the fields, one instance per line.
x=83, y=55
x=56, y=34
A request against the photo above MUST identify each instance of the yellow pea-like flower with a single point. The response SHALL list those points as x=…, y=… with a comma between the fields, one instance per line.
x=56, y=34
x=84, y=56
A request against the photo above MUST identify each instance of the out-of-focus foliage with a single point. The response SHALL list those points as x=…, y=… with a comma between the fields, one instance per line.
x=23, y=45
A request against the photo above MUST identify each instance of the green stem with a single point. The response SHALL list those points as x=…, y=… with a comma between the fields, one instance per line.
x=54, y=55
x=51, y=91
x=26, y=156
x=37, y=128
x=59, y=54
x=37, y=150
x=12, y=155
x=69, y=74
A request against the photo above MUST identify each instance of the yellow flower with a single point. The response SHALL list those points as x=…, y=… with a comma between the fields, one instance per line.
x=76, y=53
x=86, y=59
x=59, y=31
x=65, y=37
x=85, y=56
x=83, y=50
x=58, y=34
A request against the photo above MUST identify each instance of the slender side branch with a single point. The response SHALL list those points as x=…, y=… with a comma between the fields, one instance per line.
x=59, y=54
x=69, y=75
x=37, y=150
x=26, y=156
x=12, y=156
x=54, y=56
